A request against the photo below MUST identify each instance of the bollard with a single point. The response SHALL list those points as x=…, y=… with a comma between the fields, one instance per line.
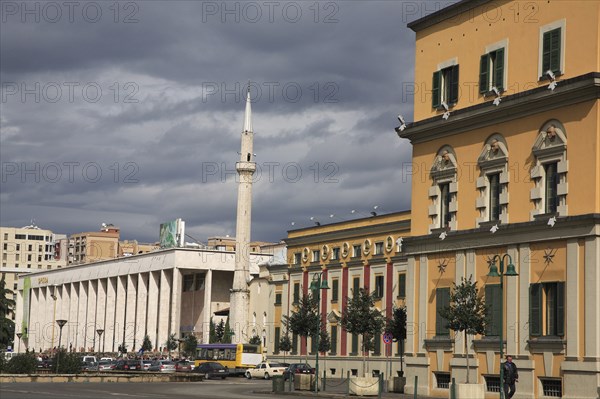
x=324, y=380
x=348, y=383
x=380, y=385
x=416, y=384
x=453, y=390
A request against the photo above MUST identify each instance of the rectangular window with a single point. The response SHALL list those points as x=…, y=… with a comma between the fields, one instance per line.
x=378, y=248
x=442, y=300
x=402, y=285
x=547, y=309
x=445, y=87
x=294, y=344
x=551, y=187
x=491, y=71
x=296, y=298
x=552, y=387
x=6, y=236
x=335, y=253
x=188, y=282
x=20, y=237
x=277, y=338
x=355, y=285
x=17, y=256
x=5, y=247
x=379, y=281
x=18, y=247
x=335, y=286
x=30, y=247
x=354, y=349
x=493, y=300
x=356, y=251
x=316, y=254
x=333, y=340
x=442, y=379
x=445, y=205
x=278, y=298
x=492, y=382
x=551, y=51
x=494, y=200
x=297, y=258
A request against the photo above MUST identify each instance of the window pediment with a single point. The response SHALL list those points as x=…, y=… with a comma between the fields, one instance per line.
x=444, y=165
x=494, y=153
x=550, y=141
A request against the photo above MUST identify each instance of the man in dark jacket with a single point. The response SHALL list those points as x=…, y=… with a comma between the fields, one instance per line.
x=511, y=375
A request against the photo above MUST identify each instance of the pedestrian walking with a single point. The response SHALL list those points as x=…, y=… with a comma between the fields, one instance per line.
x=511, y=376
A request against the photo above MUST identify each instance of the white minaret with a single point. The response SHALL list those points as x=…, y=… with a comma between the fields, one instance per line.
x=240, y=294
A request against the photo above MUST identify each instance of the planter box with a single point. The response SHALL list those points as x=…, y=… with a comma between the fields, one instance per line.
x=364, y=386
x=470, y=391
x=304, y=382
x=398, y=384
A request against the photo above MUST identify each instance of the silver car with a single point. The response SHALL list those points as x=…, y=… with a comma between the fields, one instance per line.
x=163, y=366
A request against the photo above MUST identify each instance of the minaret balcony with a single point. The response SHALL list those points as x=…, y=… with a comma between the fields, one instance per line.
x=245, y=167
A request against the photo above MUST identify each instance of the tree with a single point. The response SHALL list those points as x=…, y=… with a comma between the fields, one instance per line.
x=212, y=336
x=25, y=363
x=285, y=344
x=255, y=340
x=467, y=311
x=304, y=320
x=66, y=362
x=397, y=327
x=189, y=346
x=324, y=340
x=220, y=331
x=227, y=333
x=171, y=343
x=146, y=344
x=361, y=318
x=7, y=305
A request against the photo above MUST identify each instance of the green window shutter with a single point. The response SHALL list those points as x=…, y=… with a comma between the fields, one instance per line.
x=277, y=338
x=377, y=345
x=453, y=98
x=546, y=52
x=278, y=298
x=435, y=89
x=499, y=69
x=333, y=340
x=483, y=73
x=442, y=300
x=334, y=290
x=555, y=50
x=296, y=293
x=535, y=310
x=560, y=309
x=402, y=285
x=356, y=286
x=493, y=301
x=354, y=350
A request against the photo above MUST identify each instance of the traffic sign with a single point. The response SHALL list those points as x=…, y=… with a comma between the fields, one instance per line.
x=387, y=338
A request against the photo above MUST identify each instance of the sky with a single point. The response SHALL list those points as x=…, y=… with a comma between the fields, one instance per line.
x=131, y=113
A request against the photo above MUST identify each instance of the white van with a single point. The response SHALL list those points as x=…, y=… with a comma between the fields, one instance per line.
x=91, y=359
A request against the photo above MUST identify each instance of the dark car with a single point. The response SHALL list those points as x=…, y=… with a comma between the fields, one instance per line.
x=183, y=366
x=128, y=365
x=297, y=368
x=212, y=370
x=89, y=366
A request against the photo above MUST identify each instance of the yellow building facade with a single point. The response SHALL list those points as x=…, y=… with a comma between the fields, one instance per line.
x=506, y=161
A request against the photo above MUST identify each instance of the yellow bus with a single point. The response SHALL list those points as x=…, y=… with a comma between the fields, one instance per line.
x=236, y=357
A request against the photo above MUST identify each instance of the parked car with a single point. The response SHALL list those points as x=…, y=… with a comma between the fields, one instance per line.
x=146, y=364
x=212, y=370
x=265, y=370
x=163, y=366
x=183, y=366
x=89, y=366
x=128, y=365
x=297, y=368
x=106, y=365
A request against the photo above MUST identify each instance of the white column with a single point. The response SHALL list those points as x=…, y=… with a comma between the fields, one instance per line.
x=411, y=327
x=176, y=302
x=130, y=312
x=101, y=313
x=207, y=311
x=82, y=316
x=524, y=278
x=46, y=317
x=163, y=307
x=512, y=291
x=142, y=294
x=121, y=301
x=91, y=336
x=109, y=321
x=153, y=293
x=572, y=299
x=73, y=316
x=18, y=321
x=592, y=298
x=423, y=295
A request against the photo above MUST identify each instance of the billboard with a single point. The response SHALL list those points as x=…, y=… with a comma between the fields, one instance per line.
x=172, y=234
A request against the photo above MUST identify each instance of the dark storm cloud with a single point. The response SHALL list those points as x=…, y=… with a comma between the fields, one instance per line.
x=145, y=124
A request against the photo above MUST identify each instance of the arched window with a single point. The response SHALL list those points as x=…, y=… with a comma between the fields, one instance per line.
x=549, y=173
x=492, y=182
x=442, y=193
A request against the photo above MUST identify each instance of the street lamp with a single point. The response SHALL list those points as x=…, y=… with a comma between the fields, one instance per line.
x=510, y=271
x=316, y=286
x=54, y=297
x=61, y=323
x=19, y=335
x=99, y=331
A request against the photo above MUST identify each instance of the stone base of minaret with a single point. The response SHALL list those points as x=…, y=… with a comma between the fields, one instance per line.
x=238, y=310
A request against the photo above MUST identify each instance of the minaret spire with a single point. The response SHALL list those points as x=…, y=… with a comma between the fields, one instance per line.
x=240, y=294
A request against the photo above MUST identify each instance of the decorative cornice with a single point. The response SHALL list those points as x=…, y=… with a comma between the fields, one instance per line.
x=445, y=13
x=519, y=105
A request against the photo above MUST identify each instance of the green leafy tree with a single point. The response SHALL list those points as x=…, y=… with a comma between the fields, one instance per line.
x=285, y=344
x=220, y=331
x=147, y=344
x=7, y=305
x=361, y=318
x=227, y=333
x=189, y=346
x=397, y=327
x=22, y=364
x=255, y=340
x=304, y=320
x=324, y=340
x=467, y=312
x=212, y=334
x=3, y=364
x=66, y=363
x=171, y=343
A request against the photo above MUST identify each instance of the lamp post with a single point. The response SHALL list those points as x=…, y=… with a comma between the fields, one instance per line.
x=510, y=271
x=19, y=335
x=99, y=331
x=316, y=286
x=61, y=323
